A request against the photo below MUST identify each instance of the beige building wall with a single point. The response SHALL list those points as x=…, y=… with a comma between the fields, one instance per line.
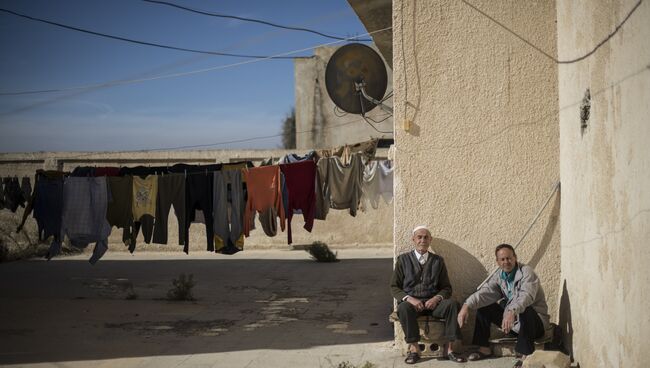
x=318, y=125
x=370, y=228
x=477, y=135
x=605, y=171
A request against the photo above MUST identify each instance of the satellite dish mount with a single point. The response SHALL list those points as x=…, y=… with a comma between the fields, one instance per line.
x=356, y=79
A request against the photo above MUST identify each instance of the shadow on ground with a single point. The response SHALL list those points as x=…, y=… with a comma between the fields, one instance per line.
x=67, y=310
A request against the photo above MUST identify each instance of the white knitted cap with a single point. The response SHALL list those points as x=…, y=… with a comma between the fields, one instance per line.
x=420, y=227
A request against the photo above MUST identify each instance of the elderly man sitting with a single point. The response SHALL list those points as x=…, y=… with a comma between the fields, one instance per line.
x=512, y=299
x=421, y=286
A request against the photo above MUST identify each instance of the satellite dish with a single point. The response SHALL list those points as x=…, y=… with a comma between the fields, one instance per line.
x=356, y=79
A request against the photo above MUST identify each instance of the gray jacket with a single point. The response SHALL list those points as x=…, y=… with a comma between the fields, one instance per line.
x=527, y=292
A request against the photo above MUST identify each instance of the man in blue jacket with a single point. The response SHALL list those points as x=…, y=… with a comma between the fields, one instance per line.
x=512, y=299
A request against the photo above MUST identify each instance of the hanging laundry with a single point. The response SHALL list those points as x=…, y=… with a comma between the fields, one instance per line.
x=26, y=187
x=322, y=207
x=367, y=149
x=145, y=193
x=120, y=205
x=300, y=183
x=198, y=195
x=171, y=191
x=342, y=184
x=378, y=182
x=229, y=206
x=83, y=171
x=2, y=194
x=85, y=202
x=268, y=218
x=47, y=204
x=13, y=194
x=107, y=171
x=264, y=191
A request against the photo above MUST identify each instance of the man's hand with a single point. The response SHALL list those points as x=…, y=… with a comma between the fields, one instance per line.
x=432, y=303
x=462, y=315
x=508, y=321
x=417, y=303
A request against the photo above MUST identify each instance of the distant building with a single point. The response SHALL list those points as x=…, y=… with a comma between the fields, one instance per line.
x=318, y=123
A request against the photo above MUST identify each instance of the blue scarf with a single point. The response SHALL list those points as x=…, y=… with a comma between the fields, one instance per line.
x=509, y=279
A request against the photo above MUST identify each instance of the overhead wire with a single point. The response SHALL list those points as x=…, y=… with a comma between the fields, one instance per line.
x=245, y=19
x=145, y=43
x=157, y=70
x=557, y=61
x=182, y=74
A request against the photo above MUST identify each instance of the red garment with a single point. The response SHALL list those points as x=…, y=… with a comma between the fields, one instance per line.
x=300, y=180
x=107, y=171
x=264, y=192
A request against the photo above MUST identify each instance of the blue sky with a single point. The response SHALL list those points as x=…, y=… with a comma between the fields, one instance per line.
x=221, y=105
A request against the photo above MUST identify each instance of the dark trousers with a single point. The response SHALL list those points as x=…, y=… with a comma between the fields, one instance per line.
x=530, y=327
x=408, y=317
x=171, y=191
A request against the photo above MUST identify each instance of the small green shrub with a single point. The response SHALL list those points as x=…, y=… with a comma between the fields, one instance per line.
x=347, y=364
x=182, y=289
x=320, y=252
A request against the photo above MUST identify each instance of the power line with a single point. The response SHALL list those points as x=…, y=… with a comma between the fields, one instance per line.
x=571, y=61
x=215, y=53
x=219, y=15
x=182, y=74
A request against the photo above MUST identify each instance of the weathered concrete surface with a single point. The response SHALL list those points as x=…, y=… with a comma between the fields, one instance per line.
x=377, y=15
x=477, y=135
x=547, y=359
x=254, y=309
x=605, y=171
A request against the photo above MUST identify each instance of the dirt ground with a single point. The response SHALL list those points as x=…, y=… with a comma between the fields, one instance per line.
x=274, y=308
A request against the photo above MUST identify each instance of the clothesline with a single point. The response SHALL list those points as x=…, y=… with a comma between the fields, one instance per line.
x=85, y=204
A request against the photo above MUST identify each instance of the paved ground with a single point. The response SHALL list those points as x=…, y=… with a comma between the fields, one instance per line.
x=254, y=309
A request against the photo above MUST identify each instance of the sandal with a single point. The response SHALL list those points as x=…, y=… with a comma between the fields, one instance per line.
x=477, y=355
x=412, y=358
x=455, y=357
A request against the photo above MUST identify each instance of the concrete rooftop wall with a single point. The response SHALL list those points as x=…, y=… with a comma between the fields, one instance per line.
x=605, y=171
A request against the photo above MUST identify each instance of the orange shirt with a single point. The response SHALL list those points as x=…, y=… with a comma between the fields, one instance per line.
x=264, y=191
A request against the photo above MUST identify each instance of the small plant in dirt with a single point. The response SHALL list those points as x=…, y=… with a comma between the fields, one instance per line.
x=321, y=252
x=182, y=289
x=130, y=294
x=347, y=364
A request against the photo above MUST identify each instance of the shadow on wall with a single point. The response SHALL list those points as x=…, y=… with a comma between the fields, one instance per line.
x=548, y=233
x=565, y=322
x=465, y=271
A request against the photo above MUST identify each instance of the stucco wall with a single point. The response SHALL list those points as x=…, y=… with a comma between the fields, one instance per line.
x=315, y=110
x=605, y=173
x=481, y=154
x=369, y=228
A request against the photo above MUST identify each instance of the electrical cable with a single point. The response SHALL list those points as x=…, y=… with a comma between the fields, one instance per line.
x=338, y=112
x=601, y=43
x=219, y=15
x=556, y=187
x=363, y=115
x=215, y=53
x=181, y=74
